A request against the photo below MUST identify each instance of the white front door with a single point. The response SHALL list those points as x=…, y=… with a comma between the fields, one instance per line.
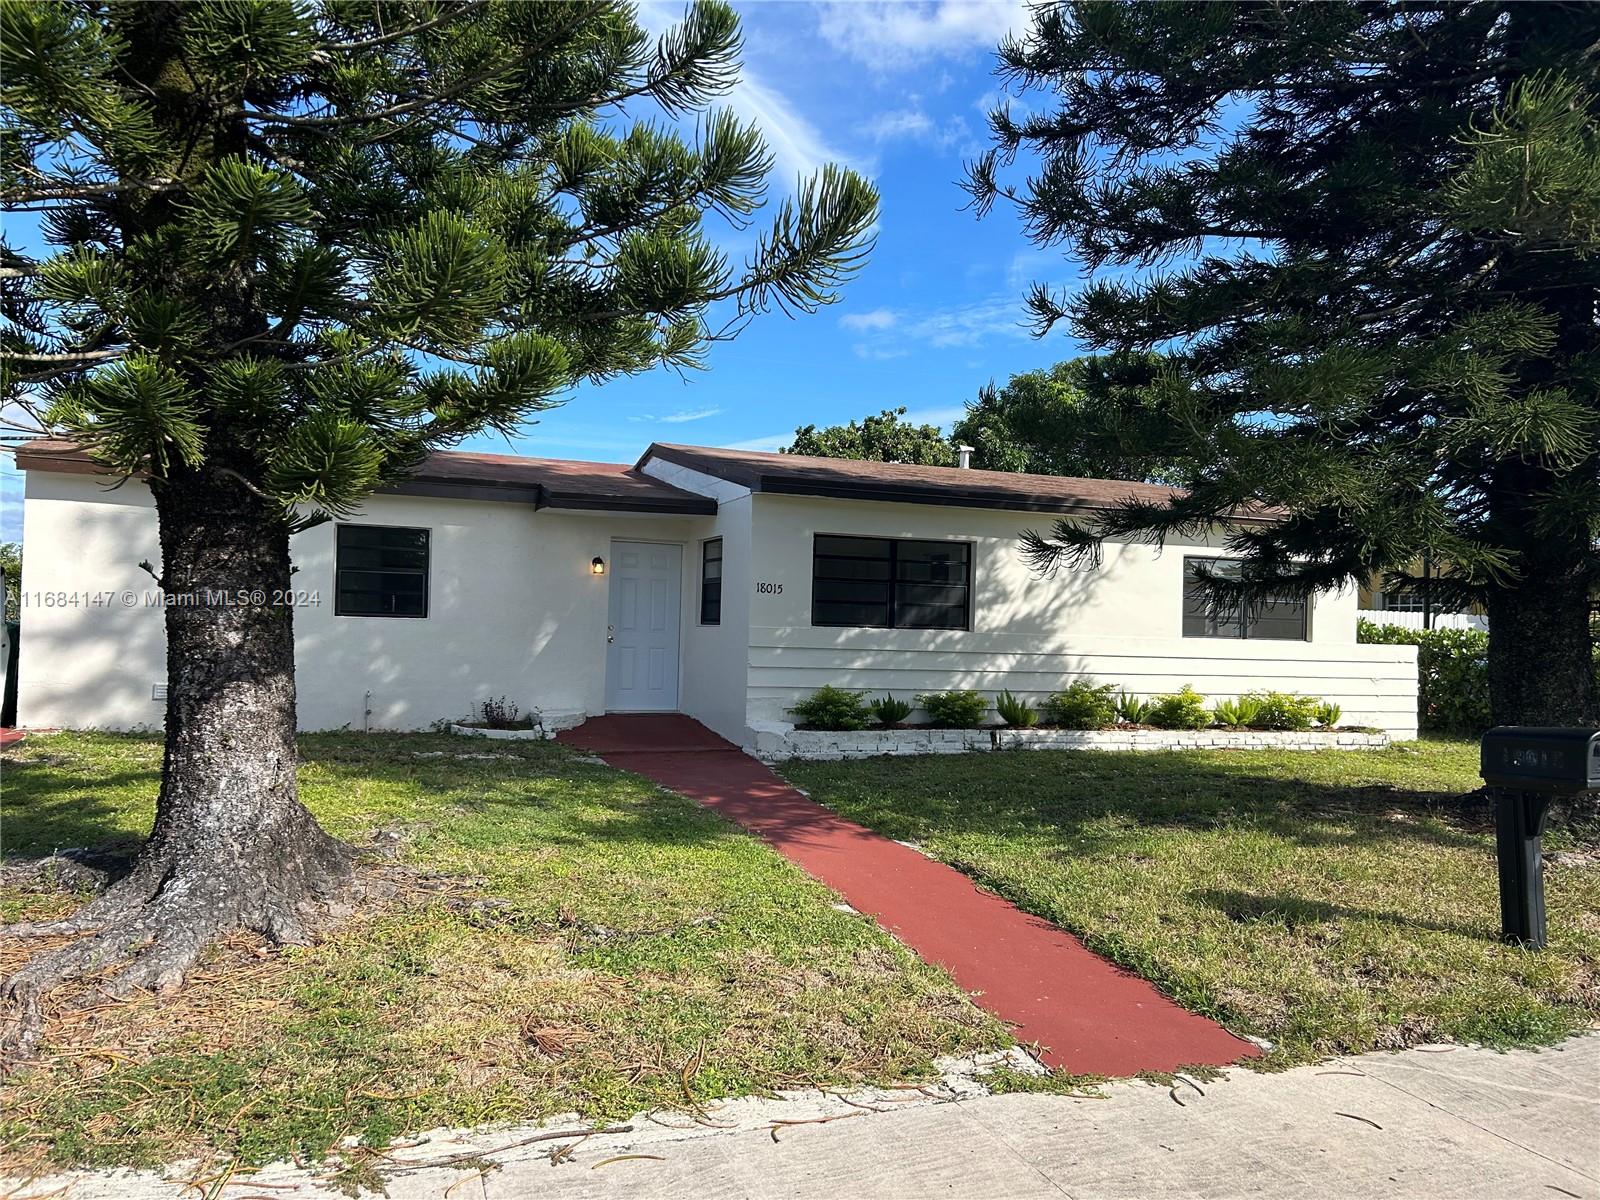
x=642, y=634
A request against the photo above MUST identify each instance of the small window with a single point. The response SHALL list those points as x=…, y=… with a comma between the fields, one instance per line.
x=1281, y=617
x=381, y=571
x=890, y=583
x=1412, y=600
x=711, y=582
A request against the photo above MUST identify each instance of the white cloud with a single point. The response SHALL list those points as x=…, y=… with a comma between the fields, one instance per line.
x=895, y=34
x=969, y=324
x=915, y=125
x=999, y=316
x=770, y=444
x=879, y=353
x=908, y=122
x=997, y=98
x=878, y=318
x=698, y=414
x=678, y=418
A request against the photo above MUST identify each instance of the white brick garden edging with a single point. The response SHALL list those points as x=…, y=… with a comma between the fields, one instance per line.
x=774, y=742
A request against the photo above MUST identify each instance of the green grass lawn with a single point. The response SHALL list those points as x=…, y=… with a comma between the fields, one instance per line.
x=1329, y=902
x=568, y=938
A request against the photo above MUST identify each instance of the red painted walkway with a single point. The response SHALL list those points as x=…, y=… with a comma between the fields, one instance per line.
x=1088, y=1016
x=10, y=737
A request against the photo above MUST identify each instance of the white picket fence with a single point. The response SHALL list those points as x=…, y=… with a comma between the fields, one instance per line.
x=1413, y=620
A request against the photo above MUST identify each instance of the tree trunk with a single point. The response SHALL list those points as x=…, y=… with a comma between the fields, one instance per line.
x=1541, y=669
x=232, y=845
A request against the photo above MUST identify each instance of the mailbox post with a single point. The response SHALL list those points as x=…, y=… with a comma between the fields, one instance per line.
x=1527, y=767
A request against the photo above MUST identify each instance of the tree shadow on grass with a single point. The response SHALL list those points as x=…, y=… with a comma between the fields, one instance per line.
x=47, y=810
x=1104, y=803
x=532, y=794
x=1296, y=912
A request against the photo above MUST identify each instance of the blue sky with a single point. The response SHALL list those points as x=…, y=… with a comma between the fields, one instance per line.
x=899, y=91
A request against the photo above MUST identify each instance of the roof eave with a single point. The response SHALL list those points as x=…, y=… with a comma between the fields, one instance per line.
x=689, y=506
x=944, y=497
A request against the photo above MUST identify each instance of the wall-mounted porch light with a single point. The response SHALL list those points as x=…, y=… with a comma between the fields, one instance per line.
x=597, y=565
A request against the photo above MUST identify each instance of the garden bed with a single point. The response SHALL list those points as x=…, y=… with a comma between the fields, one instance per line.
x=534, y=732
x=775, y=743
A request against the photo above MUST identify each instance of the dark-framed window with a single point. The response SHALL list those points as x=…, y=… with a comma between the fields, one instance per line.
x=711, y=582
x=1283, y=618
x=381, y=571
x=890, y=583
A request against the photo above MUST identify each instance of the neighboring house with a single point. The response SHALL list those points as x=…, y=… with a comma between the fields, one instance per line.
x=1413, y=608
x=718, y=583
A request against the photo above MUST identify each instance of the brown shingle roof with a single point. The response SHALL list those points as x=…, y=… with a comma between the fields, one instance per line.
x=798, y=474
x=565, y=483
x=561, y=482
x=542, y=482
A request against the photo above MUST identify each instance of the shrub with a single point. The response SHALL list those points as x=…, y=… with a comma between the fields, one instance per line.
x=1083, y=704
x=832, y=708
x=1185, y=709
x=886, y=710
x=1239, y=713
x=1015, y=711
x=1132, y=709
x=1452, y=673
x=1283, y=710
x=502, y=714
x=1328, y=714
x=958, y=709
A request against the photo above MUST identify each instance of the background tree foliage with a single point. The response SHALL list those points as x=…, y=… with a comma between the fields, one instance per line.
x=1039, y=423
x=883, y=438
x=1044, y=423
x=11, y=566
x=1362, y=241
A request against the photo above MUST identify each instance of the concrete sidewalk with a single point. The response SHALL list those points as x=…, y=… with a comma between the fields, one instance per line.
x=1431, y=1122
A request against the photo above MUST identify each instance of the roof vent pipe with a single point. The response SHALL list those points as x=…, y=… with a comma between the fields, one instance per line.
x=964, y=462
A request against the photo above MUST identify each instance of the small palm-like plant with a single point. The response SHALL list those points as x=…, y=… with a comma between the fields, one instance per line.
x=886, y=710
x=1328, y=714
x=1131, y=710
x=1015, y=711
x=1236, y=714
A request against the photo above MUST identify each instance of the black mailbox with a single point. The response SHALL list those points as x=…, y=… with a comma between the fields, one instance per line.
x=1528, y=766
x=1543, y=760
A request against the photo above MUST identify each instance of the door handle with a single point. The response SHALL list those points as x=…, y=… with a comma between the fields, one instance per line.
x=611, y=633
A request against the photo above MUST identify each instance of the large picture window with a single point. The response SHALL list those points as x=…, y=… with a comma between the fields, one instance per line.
x=890, y=583
x=1281, y=617
x=711, y=582
x=381, y=571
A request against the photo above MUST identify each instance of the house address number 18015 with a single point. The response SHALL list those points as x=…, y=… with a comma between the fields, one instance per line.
x=768, y=589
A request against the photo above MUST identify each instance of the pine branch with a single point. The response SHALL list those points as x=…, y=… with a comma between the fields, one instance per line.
x=453, y=12
x=109, y=189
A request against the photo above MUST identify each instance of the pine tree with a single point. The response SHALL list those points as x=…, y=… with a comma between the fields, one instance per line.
x=1365, y=240
x=295, y=247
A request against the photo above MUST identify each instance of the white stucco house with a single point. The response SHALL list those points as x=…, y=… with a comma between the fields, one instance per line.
x=718, y=583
